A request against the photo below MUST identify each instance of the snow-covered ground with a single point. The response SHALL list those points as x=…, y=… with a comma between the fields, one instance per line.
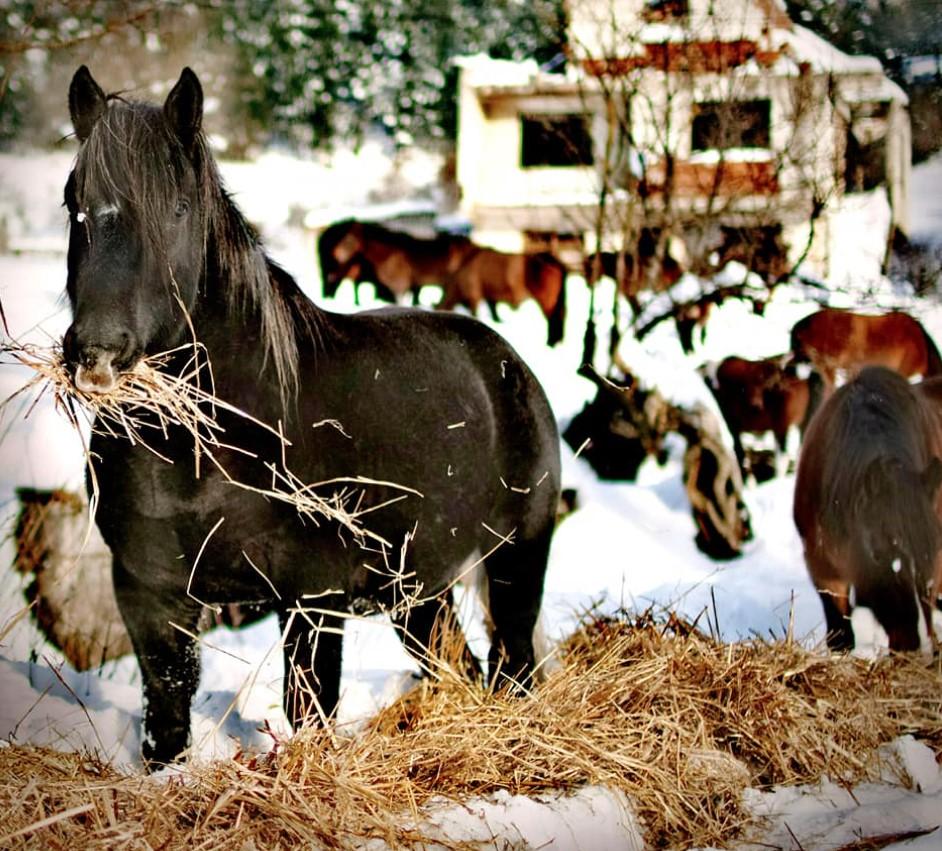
x=626, y=544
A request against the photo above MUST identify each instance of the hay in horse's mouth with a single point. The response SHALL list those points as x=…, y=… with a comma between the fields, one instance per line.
x=147, y=400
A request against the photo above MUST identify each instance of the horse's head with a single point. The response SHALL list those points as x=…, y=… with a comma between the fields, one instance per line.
x=137, y=227
x=338, y=252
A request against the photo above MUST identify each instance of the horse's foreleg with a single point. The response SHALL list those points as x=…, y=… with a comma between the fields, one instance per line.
x=312, y=644
x=492, y=306
x=789, y=447
x=835, y=598
x=169, y=661
x=449, y=299
x=894, y=601
x=430, y=632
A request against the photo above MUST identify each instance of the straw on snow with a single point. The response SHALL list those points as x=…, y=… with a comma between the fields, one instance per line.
x=678, y=721
x=148, y=400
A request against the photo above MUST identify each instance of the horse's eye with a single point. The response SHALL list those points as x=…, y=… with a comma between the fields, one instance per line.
x=183, y=207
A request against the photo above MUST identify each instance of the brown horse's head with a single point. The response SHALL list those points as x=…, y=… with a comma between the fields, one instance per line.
x=337, y=249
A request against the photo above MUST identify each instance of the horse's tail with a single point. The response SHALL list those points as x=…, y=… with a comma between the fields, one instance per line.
x=798, y=353
x=933, y=358
x=557, y=317
x=536, y=284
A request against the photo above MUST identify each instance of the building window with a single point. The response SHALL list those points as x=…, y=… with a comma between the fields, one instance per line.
x=665, y=10
x=865, y=164
x=719, y=125
x=555, y=140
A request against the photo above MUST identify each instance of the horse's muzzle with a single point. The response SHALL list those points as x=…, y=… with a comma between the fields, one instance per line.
x=98, y=367
x=99, y=376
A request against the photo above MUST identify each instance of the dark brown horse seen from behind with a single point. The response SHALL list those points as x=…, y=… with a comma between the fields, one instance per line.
x=835, y=340
x=867, y=504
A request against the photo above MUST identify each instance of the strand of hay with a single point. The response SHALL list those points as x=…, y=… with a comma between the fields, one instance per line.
x=149, y=399
x=679, y=722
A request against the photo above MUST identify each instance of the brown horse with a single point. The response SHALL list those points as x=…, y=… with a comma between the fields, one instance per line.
x=397, y=262
x=494, y=276
x=867, y=504
x=357, y=269
x=760, y=396
x=835, y=340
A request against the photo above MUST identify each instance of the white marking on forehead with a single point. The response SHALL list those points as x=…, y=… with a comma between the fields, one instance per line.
x=106, y=210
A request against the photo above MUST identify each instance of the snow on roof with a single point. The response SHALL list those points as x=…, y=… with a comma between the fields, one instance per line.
x=481, y=70
x=798, y=46
x=803, y=45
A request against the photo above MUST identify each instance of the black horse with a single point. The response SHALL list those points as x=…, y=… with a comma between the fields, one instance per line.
x=436, y=402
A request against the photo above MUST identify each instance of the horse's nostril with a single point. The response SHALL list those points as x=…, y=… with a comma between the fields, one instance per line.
x=96, y=374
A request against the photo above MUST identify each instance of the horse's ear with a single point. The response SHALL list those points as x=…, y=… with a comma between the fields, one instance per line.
x=86, y=102
x=184, y=107
x=932, y=477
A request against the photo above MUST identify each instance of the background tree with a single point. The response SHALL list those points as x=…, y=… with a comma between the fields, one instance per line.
x=333, y=69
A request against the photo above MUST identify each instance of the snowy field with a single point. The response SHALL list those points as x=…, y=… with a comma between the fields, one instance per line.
x=626, y=544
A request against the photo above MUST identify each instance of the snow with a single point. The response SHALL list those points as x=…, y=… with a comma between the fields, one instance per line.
x=632, y=542
x=925, y=200
x=829, y=815
x=804, y=45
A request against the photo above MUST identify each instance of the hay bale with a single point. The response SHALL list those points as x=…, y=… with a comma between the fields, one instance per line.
x=71, y=592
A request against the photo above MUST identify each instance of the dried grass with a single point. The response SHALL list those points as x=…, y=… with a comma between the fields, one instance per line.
x=680, y=722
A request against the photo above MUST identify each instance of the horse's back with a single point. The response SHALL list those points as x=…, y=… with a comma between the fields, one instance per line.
x=875, y=414
x=845, y=340
x=453, y=388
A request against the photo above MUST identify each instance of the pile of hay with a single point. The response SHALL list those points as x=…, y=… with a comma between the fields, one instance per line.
x=678, y=721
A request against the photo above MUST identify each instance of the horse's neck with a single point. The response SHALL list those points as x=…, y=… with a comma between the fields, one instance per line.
x=252, y=335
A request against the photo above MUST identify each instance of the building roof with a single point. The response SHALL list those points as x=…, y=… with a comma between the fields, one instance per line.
x=787, y=49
